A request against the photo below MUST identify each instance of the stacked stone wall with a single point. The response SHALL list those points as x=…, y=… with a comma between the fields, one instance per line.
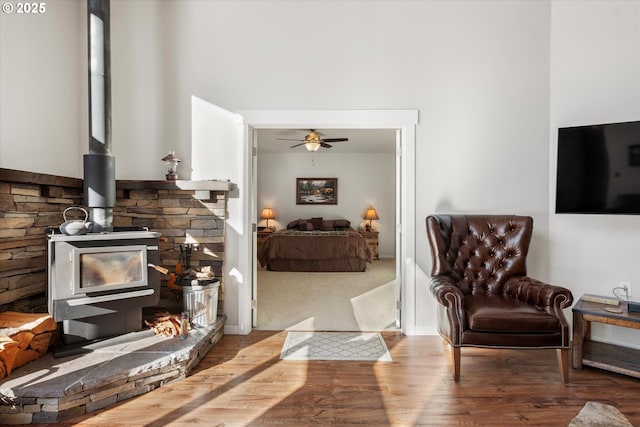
x=186, y=219
x=29, y=204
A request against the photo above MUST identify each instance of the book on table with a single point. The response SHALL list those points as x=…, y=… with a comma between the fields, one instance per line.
x=600, y=299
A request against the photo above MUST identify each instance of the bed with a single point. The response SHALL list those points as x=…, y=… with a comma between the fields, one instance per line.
x=315, y=245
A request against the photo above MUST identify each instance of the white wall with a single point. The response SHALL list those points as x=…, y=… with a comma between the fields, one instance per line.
x=43, y=89
x=217, y=134
x=478, y=72
x=143, y=131
x=594, y=79
x=363, y=180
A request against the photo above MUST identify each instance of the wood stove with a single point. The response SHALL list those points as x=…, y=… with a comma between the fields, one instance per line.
x=99, y=282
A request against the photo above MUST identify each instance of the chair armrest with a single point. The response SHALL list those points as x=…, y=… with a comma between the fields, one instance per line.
x=441, y=286
x=550, y=297
x=450, y=311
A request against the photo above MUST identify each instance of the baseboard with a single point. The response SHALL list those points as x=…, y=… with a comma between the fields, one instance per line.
x=231, y=329
x=425, y=330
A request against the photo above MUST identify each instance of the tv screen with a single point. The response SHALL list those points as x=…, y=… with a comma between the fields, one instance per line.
x=599, y=169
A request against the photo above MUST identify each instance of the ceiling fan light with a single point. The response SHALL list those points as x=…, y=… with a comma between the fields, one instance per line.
x=312, y=146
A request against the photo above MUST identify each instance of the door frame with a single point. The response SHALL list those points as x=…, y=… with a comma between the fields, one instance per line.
x=404, y=121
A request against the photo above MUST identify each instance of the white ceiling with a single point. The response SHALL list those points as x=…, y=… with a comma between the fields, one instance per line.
x=360, y=140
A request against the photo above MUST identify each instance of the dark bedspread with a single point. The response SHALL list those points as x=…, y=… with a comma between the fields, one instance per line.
x=293, y=250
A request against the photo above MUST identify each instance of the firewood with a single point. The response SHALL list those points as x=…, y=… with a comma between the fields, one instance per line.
x=40, y=343
x=25, y=356
x=23, y=337
x=166, y=324
x=8, y=351
x=34, y=322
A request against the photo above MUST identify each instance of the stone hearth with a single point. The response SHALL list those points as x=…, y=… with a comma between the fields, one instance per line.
x=51, y=389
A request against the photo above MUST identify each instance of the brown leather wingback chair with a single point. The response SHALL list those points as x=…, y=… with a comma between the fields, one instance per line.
x=485, y=298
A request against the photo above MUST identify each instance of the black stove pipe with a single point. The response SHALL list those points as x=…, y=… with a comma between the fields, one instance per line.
x=99, y=164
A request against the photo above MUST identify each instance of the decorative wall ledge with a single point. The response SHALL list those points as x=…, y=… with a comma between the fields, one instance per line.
x=174, y=185
x=12, y=175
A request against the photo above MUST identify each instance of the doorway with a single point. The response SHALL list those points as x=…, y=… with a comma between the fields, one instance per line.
x=403, y=122
x=363, y=161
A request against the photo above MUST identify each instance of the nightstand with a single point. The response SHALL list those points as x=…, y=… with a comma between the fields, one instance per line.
x=262, y=236
x=371, y=237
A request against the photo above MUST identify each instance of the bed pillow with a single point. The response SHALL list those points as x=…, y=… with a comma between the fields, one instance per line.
x=317, y=223
x=293, y=225
x=307, y=226
x=341, y=224
x=327, y=225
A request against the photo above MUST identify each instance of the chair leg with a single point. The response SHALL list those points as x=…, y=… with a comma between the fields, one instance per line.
x=455, y=361
x=563, y=363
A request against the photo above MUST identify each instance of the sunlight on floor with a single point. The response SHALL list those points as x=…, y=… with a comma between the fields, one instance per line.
x=374, y=310
x=415, y=401
x=230, y=383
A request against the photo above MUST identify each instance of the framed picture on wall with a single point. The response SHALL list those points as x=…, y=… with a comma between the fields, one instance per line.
x=316, y=191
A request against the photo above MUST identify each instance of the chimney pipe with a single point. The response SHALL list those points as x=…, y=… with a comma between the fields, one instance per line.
x=99, y=164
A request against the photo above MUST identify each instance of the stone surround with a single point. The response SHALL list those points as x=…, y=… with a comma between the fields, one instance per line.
x=51, y=390
x=184, y=212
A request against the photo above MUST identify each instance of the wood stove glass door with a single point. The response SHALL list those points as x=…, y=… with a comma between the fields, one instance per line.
x=99, y=269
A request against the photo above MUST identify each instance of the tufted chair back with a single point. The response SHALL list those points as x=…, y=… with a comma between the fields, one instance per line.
x=480, y=252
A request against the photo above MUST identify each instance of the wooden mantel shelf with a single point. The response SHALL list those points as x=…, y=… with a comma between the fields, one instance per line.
x=213, y=185
x=10, y=175
x=24, y=177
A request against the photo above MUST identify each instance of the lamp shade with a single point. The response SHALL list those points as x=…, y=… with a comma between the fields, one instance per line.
x=312, y=145
x=371, y=214
x=267, y=213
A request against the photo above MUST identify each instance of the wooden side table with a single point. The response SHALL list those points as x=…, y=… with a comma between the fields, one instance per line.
x=262, y=236
x=371, y=237
x=622, y=360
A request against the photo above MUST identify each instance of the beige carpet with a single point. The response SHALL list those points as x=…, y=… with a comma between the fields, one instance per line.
x=328, y=301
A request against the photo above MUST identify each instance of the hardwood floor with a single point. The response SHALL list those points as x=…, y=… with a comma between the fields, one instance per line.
x=242, y=382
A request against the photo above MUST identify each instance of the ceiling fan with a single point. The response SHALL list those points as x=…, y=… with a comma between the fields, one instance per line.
x=312, y=141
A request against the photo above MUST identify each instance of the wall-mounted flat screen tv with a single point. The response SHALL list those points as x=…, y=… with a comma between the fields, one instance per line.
x=599, y=169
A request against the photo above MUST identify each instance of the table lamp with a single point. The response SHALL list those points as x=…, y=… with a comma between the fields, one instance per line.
x=370, y=214
x=267, y=213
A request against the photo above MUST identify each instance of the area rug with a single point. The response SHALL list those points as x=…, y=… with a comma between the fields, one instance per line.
x=596, y=414
x=335, y=346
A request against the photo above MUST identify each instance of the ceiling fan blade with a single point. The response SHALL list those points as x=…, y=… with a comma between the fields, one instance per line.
x=325, y=145
x=297, y=145
x=335, y=139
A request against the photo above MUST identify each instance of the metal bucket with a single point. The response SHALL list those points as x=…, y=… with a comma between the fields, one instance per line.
x=200, y=300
